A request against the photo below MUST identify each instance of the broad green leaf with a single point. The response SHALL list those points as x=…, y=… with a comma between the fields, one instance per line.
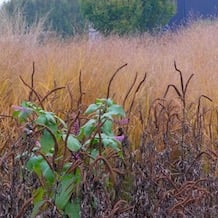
x=23, y=116
x=100, y=101
x=46, y=119
x=107, y=116
x=37, y=208
x=109, y=141
x=15, y=114
x=65, y=190
x=88, y=128
x=107, y=128
x=117, y=110
x=73, y=143
x=27, y=104
x=91, y=108
x=50, y=118
x=46, y=142
x=103, y=101
x=109, y=102
x=21, y=112
x=90, y=142
x=34, y=161
x=38, y=165
x=72, y=209
x=61, y=121
x=53, y=127
x=47, y=172
x=38, y=195
x=41, y=119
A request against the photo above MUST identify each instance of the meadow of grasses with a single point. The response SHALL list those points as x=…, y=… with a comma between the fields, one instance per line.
x=183, y=123
x=58, y=63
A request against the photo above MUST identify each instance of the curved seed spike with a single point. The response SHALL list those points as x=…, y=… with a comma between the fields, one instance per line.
x=204, y=96
x=50, y=92
x=175, y=88
x=130, y=89
x=199, y=101
x=138, y=88
x=187, y=83
x=33, y=90
x=181, y=77
x=32, y=82
x=80, y=90
x=70, y=95
x=112, y=78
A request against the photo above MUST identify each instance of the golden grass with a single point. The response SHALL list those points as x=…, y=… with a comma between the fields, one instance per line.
x=59, y=63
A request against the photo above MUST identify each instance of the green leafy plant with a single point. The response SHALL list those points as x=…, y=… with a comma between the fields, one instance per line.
x=127, y=17
x=59, y=157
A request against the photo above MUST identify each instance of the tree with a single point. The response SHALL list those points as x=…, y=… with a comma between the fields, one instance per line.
x=63, y=16
x=127, y=16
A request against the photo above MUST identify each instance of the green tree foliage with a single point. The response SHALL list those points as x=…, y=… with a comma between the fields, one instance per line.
x=62, y=16
x=127, y=16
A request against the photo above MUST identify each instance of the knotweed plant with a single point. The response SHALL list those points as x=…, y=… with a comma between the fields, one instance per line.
x=73, y=173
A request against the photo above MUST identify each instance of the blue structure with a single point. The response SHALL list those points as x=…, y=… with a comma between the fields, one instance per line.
x=192, y=9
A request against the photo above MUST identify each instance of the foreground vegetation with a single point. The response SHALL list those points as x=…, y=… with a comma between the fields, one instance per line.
x=166, y=162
